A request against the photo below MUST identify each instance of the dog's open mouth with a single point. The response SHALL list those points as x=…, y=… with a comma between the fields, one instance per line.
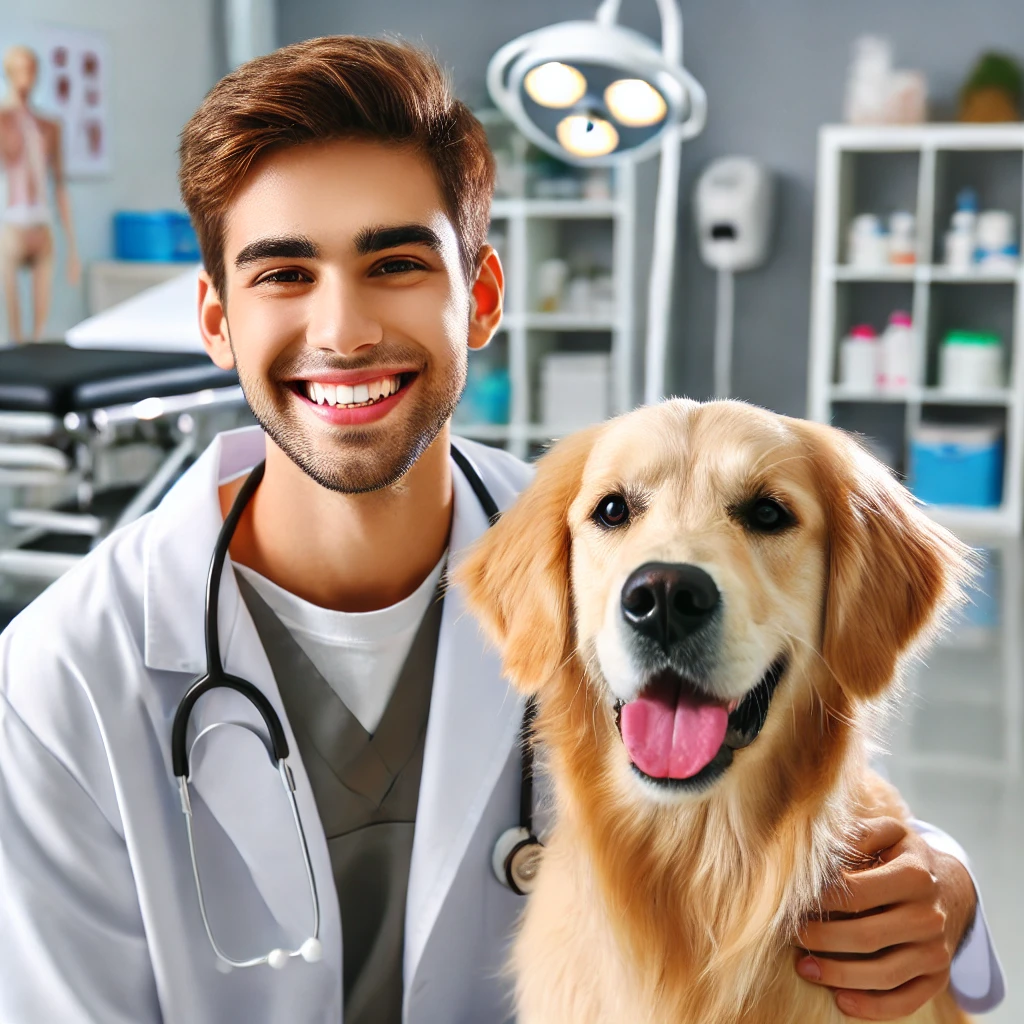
x=675, y=733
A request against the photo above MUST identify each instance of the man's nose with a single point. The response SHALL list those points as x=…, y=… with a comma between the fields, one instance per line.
x=341, y=320
x=669, y=602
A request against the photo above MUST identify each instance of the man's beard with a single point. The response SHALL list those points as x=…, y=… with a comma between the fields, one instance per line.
x=356, y=459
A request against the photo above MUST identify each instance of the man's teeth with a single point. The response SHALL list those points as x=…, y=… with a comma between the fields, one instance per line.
x=346, y=395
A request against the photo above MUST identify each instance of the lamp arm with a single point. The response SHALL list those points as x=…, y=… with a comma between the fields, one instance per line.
x=659, y=294
x=671, y=25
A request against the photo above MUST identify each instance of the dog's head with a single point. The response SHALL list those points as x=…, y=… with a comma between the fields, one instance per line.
x=724, y=580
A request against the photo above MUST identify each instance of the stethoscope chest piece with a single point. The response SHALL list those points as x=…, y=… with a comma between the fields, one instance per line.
x=516, y=859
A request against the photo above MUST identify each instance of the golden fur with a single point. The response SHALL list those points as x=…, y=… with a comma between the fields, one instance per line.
x=666, y=909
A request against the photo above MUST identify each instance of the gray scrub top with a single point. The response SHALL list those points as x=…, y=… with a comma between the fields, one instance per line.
x=366, y=790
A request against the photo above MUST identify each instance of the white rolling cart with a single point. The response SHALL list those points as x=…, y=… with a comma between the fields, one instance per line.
x=978, y=668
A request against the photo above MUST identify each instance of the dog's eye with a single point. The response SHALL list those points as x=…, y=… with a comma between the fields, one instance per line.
x=766, y=515
x=611, y=511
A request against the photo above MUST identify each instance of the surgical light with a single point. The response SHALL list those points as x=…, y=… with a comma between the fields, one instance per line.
x=555, y=84
x=631, y=99
x=635, y=103
x=583, y=135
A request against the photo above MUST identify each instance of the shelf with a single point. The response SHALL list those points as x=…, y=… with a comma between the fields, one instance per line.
x=965, y=520
x=979, y=275
x=939, y=396
x=562, y=322
x=903, y=138
x=930, y=396
x=924, y=274
x=841, y=394
x=556, y=208
x=844, y=272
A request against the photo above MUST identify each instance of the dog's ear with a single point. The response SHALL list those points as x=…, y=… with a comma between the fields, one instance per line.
x=516, y=576
x=892, y=571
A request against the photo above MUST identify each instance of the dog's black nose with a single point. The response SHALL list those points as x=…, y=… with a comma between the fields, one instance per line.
x=669, y=602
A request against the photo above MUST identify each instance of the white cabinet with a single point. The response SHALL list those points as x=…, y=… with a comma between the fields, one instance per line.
x=919, y=168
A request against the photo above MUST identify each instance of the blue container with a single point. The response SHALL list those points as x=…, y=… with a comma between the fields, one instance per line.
x=161, y=235
x=957, y=465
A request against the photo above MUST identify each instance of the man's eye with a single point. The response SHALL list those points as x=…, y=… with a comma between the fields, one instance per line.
x=765, y=515
x=612, y=511
x=283, y=277
x=398, y=266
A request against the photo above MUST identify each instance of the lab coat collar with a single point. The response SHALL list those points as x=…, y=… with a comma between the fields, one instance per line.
x=177, y=558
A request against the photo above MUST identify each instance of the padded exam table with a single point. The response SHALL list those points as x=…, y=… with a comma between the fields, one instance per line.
x=61, y=408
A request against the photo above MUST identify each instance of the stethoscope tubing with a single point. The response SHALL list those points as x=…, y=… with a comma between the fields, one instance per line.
x=216, y=677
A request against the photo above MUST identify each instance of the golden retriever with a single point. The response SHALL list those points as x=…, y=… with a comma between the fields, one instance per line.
x=711, y=604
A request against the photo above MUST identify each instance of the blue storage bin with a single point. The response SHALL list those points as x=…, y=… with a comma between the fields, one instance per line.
x=957, y=465
x=160, y=235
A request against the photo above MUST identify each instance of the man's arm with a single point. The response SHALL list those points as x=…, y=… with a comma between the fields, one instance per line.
x=72, y=943
x=889, y=941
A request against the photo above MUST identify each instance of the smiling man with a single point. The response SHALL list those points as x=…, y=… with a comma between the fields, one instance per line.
x=341, y=196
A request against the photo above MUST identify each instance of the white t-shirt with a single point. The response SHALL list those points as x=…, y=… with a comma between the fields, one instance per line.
x=360, y=654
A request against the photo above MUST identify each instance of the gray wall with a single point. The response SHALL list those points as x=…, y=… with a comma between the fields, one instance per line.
x=774, y=72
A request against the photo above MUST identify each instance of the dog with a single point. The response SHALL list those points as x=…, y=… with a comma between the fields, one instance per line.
x=711, y=604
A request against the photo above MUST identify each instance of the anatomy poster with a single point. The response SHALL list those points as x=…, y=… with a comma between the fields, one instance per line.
x=74, y=85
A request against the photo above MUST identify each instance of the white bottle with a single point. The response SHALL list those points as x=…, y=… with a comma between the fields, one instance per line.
x=897, y=355
x=859, y=359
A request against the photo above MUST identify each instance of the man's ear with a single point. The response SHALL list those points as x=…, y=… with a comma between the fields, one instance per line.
x=213, y=324
x=516, y=577
x=487, y=290
x=892, y=571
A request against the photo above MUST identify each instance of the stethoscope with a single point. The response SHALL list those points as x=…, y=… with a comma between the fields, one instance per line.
x=517, y=852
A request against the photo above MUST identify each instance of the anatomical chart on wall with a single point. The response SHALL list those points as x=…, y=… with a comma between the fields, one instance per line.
x=74, y=88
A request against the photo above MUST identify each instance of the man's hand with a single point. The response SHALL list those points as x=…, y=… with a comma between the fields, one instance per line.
x=886, y=944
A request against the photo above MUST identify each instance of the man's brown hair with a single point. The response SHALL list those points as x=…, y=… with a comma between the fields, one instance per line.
x=337, y=87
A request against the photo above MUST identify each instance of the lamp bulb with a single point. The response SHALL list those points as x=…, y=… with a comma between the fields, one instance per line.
x=635, y=103
x=555, y=84
x=584, y=135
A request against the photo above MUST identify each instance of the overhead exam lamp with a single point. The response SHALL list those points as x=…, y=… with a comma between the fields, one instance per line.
x=596, y=93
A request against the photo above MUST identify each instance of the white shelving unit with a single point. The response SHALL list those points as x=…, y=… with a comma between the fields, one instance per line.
x=533, y=230
x=919, y=167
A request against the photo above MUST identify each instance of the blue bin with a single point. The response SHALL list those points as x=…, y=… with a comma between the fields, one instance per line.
x=957, y=465
x=160, y=235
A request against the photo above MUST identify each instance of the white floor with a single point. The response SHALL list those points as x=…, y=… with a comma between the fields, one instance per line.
x=956, y=753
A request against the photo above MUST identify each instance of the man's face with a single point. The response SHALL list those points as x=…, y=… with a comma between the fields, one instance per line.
x=347, y=310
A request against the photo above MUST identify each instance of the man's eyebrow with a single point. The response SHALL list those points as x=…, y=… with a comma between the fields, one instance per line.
x=277, y=247
x=379, y=238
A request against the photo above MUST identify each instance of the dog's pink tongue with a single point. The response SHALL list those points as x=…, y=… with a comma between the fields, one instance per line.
x=669, y=735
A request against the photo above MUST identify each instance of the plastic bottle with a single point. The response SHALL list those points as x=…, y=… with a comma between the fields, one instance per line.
x=961, y=237
x=902, y=239
x=859, y=359
x=897, y=356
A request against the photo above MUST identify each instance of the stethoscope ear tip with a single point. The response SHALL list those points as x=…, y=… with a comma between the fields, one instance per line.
x=312, y=951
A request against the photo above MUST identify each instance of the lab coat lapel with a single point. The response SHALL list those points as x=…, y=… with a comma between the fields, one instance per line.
x=474, y=721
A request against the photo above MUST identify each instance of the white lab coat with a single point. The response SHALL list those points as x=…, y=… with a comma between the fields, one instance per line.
x=99, y=920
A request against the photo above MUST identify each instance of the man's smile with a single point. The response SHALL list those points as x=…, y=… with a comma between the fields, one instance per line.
x=353, y=397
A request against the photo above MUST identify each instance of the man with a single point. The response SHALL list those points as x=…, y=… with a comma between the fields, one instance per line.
x=341, y=198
